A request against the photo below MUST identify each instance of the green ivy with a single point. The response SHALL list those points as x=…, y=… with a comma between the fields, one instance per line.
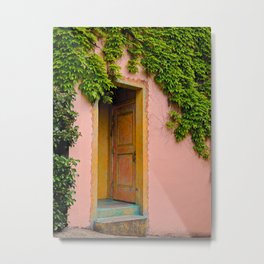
x=65, y=134
x=64, y=174
x=74, y=60
x=179, y=59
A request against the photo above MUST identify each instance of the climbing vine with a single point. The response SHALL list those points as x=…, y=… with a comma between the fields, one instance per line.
x=179, y=59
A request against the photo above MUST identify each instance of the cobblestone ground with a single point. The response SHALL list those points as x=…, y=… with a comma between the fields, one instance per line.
x=85, y=233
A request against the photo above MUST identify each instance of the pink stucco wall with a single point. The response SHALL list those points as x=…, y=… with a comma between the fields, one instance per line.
x=179, y=193
x=179, y=181
x=79, y=213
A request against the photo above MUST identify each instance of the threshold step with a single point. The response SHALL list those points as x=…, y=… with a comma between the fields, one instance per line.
x=109, y=208
x=127, y=225
x=118, y=211
x=115, y=219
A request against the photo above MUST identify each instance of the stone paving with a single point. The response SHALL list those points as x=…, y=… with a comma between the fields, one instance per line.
x=80, y=233
x=84, y=233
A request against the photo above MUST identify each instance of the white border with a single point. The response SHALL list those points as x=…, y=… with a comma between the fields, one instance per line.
x=26, y=125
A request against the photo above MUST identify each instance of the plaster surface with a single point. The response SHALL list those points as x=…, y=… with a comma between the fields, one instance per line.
x=79, y=213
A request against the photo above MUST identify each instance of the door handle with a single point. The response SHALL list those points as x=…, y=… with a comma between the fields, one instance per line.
x=134, y=156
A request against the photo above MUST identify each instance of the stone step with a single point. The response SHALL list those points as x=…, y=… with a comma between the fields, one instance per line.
x=115, y=208
x=127, y=225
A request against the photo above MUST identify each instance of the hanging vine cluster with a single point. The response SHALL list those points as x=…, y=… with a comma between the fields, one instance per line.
x=178, y=58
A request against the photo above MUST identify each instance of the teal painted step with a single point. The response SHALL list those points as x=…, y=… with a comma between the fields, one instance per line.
x=127, y=225
x=111, y=208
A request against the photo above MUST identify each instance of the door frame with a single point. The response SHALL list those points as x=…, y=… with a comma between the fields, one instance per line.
x=141, y=147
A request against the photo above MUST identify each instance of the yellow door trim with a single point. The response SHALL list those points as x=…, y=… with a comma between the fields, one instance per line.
x=141, y=147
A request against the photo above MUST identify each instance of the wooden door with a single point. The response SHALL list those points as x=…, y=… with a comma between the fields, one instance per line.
x=124, y=152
